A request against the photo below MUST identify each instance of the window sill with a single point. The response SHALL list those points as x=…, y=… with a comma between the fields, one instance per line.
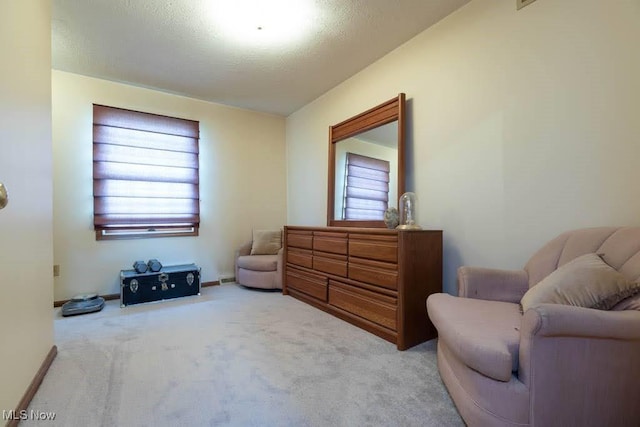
x=147, y=233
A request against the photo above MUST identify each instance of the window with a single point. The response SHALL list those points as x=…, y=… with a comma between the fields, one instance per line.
x=145, y=174
x=366, y=187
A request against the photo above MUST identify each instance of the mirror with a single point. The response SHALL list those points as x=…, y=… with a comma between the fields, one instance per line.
x=366, y=165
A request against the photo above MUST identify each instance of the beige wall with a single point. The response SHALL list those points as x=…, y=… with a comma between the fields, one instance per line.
x=242, y=184
x=26, y=248
x=522, y=124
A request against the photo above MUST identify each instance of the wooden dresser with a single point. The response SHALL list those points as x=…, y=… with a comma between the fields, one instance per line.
x=374, y=278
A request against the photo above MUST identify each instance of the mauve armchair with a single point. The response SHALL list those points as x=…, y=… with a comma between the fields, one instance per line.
x=258, y=271
x=554, y=365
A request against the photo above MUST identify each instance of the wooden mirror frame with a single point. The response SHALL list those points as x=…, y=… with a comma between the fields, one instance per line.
x=387, y=112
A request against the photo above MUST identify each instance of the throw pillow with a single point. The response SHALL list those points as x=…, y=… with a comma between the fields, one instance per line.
x=586, y=281
x=266, y=242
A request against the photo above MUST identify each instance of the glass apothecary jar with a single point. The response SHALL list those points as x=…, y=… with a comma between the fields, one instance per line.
x=408, y=205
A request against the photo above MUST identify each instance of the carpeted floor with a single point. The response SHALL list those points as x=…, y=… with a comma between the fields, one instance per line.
x=235, y=357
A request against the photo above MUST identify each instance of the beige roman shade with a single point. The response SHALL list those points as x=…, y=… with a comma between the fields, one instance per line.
x=145, y=173
x=366, y=187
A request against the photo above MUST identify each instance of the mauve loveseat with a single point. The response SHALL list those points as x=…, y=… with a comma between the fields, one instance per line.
x=554, y=365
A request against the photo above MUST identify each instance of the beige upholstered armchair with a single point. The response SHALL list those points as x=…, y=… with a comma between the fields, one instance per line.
x=560, y=363
x=259, y=262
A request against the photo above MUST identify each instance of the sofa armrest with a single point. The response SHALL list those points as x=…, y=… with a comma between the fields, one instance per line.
x=572, y=358
x=492, y=284
x=558, y=320
x=243, y=250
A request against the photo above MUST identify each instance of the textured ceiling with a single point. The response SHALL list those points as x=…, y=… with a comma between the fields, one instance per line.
x=187, y=47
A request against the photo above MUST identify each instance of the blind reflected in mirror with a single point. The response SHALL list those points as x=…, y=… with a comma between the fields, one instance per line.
x=366, y=170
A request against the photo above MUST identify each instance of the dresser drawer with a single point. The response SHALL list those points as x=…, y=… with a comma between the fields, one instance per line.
x=330, y=263
x=376, y=273
x=300, y=239
x=301, y=257
x=376, y=308
x=381, y=249
x=310, y=284
x=330, y=242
